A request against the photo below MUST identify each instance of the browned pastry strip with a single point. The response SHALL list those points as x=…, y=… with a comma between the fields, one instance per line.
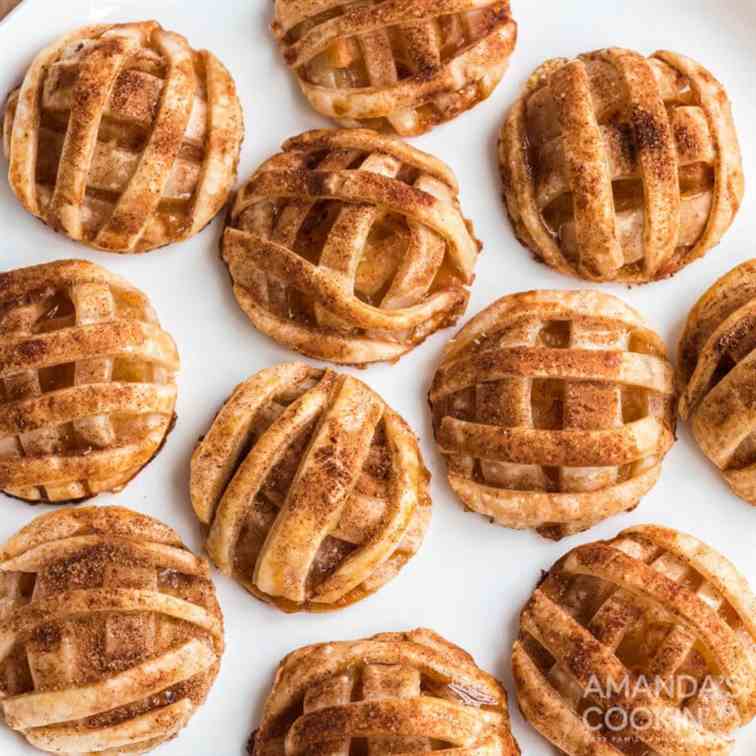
x=123, y=137
x=350, y=246
x=110, y=632
x=313, y=489
x=618, y=167
x=87, y=387
x=395, y=65
x=554, y=410
x=653, y=629
x=408, y=692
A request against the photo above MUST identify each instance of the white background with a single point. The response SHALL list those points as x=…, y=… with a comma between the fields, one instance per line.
x=470, y=578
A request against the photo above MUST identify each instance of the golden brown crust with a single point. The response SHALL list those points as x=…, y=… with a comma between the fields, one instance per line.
x=402, y=692
x=110, y=632
x=123, y=137
x=554, y=410
x=618, y=167
x=87, y=382
x=653, y=628
x=350, y=246
x=715, y=377
x=393, y=65
x=314, y=490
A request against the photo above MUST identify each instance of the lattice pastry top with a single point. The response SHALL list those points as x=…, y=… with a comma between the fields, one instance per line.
x=554, y=410
x=395, y=692
x=87, y=388
x=395, y=65
x=123, y=137
x=643, y=644
x=314, y=489
x=110, y=632
x=716, y=380
x=618, y=167
x=350, y=246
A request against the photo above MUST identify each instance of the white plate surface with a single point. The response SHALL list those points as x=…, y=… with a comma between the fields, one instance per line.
x=470, y=579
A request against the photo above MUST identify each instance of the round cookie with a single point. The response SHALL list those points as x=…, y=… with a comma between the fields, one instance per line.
x=395, y=66
x=123, y=137
x=314, y=490
x=350, y=246
x=618, y=167
x=715, y=377
x=644, y=643
x=87, y=382
x=554, y=410
x=112, y=635
x=400, y=692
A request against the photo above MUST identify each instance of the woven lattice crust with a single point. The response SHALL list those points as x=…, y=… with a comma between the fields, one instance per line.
x=394, y=65
x=110, y=632
x=618, y=167
x=642, y=644
x=123, y=137
x=395, y=692
x=87, y=386
x=350, y=246
x=716, y=380
x=314, y=489
x=554, y=410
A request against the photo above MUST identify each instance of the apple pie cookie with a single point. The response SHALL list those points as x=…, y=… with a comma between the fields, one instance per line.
x=394, y=693
x=350, y=246
x=123, y=137
x=618, y=167
x=554, y=410
x=87, y=387
x=111, y=632
x=643, y=644
x=393, y=65
x=716, y=378
x=314, y=490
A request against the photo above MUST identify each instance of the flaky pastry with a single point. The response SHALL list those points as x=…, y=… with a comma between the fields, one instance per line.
x=110, y=632
x=618, y=167
x=314, y=490
x=350, y=246
x=87, y=381
x=123, y=137
x=554, y=410
x=394, y=693
x=395, y=65
x=716, y=377
x=643, y=644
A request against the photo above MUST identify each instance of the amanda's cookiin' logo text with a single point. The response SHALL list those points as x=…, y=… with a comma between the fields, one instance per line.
x=641, y=703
